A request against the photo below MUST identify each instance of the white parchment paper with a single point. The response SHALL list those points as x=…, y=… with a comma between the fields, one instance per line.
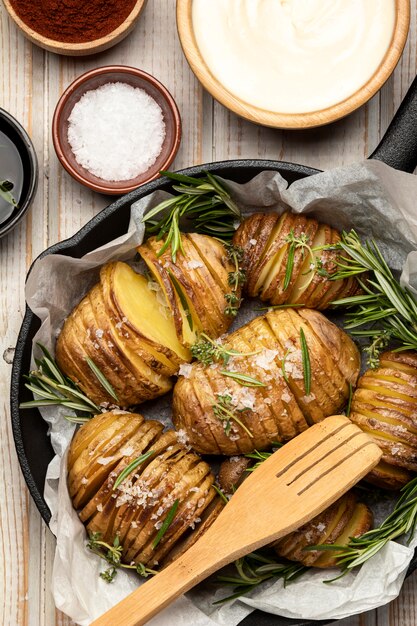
x=371, y=197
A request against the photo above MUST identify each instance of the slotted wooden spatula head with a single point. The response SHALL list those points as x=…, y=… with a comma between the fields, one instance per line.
x=294, y=485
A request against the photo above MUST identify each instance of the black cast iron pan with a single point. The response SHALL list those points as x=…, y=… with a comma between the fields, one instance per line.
x=398, y=149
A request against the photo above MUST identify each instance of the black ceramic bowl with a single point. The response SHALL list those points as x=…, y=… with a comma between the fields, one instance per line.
x=19, y=137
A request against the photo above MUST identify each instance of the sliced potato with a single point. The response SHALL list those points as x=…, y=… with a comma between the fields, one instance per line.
x=266, y=241
x=385, y=406
x=136, y=509
x=139, y=308
x=344, y=519
x=221, y=416
x=194, y=285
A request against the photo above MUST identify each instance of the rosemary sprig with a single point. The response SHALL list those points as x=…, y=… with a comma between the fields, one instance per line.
x=221, y=493
x=305, y=356
x=254, y=569
x=402, y=521
x=183, y=299
x=243, y=379
x=102, y=379
x=388, y=309
x=6, y=187
x=284, y=373
x=112, y=553
x=203, y=201
x=166, y=524
x=131, y=467
x=51, y=388
x=208, y=351
x=226, y=412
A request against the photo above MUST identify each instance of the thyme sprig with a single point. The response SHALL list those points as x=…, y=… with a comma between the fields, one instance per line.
x=131, y=467
x=402, y=521
x=296, y=243
x=204, y=201
x=52, y=388
x=387, y=309
x=254, y=569
x=236, y=279
x=225, y=411
x=208, y=351
x=112, y=553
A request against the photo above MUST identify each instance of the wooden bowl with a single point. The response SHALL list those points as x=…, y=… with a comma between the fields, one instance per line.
x=78, y=49
x=277, y=119
x=92, y=80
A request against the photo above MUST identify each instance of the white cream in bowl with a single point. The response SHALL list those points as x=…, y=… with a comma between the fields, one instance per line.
x=293, y=56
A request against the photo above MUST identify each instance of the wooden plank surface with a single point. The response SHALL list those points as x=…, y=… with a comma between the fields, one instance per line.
x=31, y=82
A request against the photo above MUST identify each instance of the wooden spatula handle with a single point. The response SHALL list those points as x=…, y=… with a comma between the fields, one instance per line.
x=201, y=560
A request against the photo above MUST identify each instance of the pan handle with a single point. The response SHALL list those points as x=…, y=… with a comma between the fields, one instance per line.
x=398, y=147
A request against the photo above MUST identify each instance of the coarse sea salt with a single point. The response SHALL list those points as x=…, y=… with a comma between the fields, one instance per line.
x=116, y=131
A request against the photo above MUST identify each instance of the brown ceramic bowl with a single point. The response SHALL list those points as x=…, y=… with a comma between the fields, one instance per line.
x=92, y=80
x=78, y=49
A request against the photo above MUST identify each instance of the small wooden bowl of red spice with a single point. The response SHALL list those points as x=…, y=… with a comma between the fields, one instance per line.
x=75, y=28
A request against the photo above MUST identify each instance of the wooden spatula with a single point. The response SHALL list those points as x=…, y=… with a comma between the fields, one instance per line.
x=290, y=488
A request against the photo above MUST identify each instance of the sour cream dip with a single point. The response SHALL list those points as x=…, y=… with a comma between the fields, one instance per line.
x=293, y=56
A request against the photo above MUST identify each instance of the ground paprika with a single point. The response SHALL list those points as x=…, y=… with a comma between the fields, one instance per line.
x=73, y=21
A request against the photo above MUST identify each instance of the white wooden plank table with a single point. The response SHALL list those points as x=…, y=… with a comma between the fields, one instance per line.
x=31, y=81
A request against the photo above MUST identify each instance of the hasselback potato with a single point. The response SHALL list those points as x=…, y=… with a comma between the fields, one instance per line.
x=342, y=520
x=384, y=405
x=123, y=329
x=271, y=244
x=224, y=416
x=195, y=285
x=135, y=510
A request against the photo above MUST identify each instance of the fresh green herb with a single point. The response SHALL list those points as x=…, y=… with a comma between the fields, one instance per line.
x=295, y=243
x=101, y=379
x=402, y=521
x=52, y=388
x=233, y=304
x=226, y=412
x=235, y=279
x=349, y=403
x=221, y=493
x=183, y=299
x=305, y=355
x=208, y=351
x=203, y=201
x=243, y=379
x=131, y=467
x=113, y=555
x=385, y=307
x=5, y=192
x=235, y=255
x=166, y=524
x=260, y=457
x=284, y=373
x=254, y=569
